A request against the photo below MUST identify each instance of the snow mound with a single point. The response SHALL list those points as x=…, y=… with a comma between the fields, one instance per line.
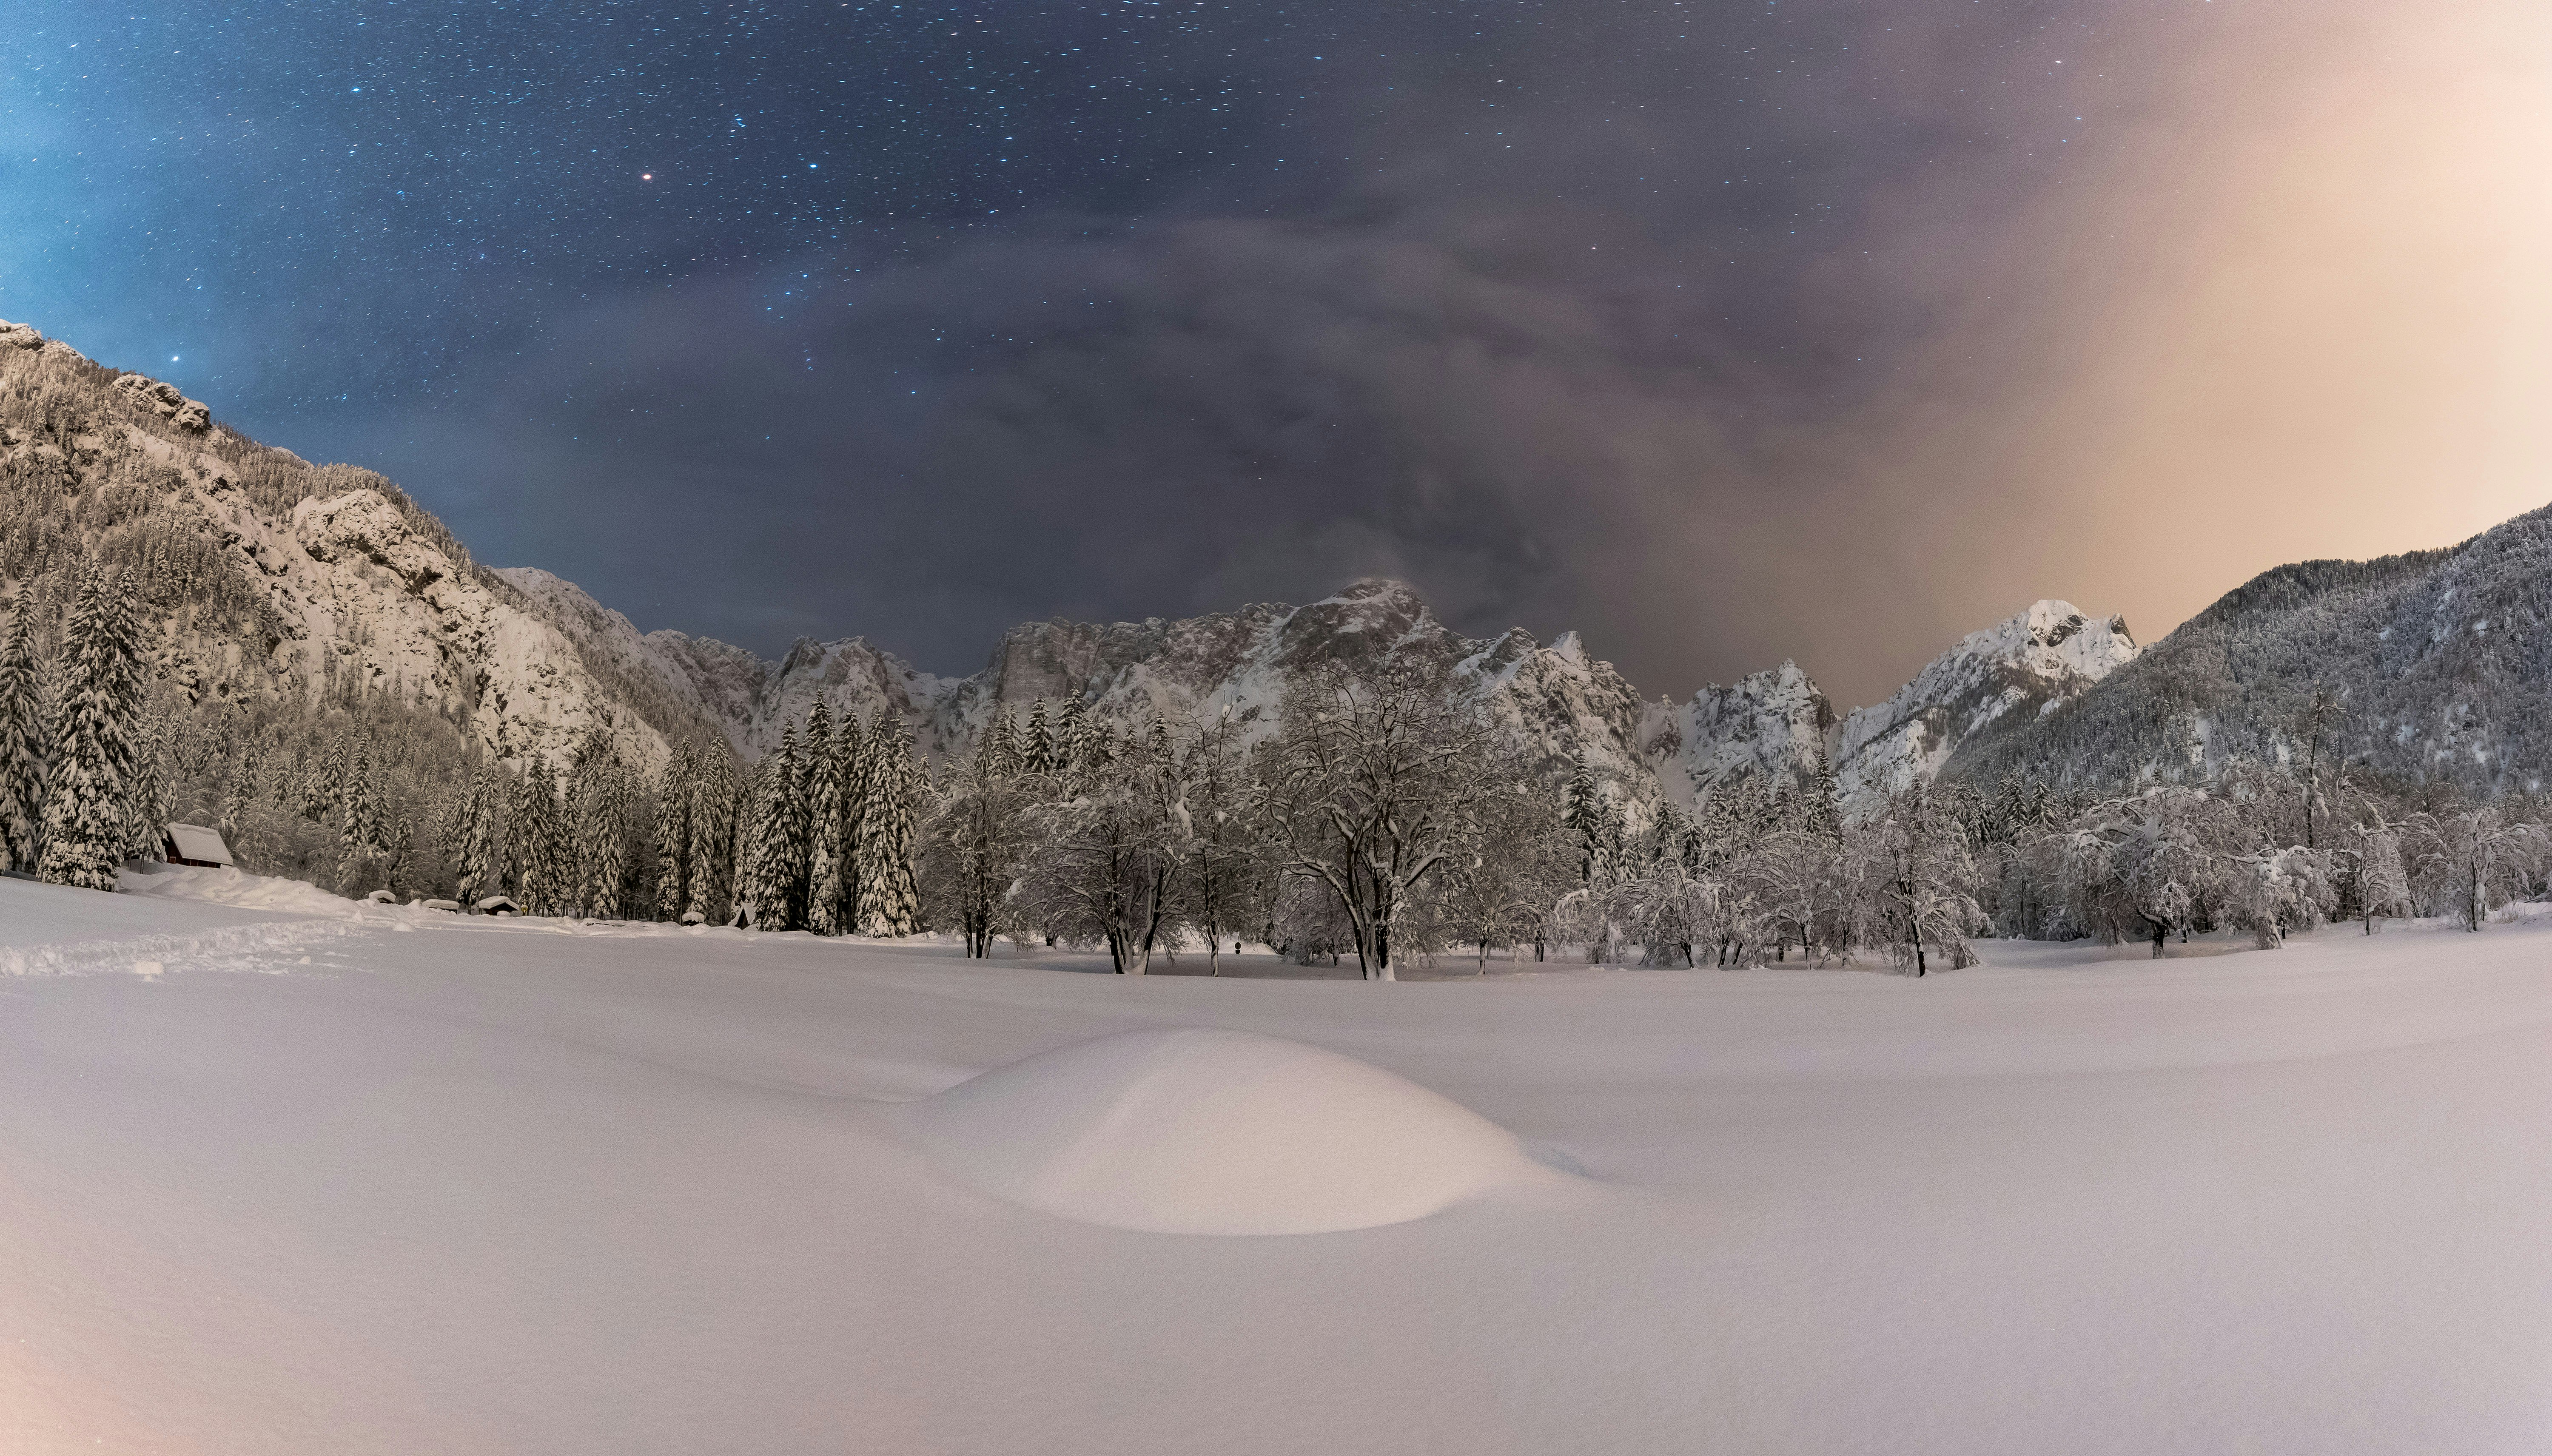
x=1195, y=1131
x=227, y=887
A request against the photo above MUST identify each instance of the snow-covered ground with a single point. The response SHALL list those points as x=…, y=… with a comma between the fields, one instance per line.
x=282, y=1175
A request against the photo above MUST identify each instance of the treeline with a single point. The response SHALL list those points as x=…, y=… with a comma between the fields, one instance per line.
x=2259, y=849
x=1382, y=819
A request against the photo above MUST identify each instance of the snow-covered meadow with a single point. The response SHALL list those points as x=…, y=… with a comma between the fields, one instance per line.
x=279, y=1173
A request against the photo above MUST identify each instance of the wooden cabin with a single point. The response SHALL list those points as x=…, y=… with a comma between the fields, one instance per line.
x=196, y=845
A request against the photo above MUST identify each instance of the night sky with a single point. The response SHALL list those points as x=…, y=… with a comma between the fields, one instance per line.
x=1722, y=332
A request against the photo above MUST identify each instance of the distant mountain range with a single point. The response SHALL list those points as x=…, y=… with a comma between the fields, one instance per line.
x=308, y=578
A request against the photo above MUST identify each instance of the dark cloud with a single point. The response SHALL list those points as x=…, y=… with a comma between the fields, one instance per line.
x=1724, y=333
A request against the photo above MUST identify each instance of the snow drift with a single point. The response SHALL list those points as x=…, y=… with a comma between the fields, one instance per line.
x=1195, y=1131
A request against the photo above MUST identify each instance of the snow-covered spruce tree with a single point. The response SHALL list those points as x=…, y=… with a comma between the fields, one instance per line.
x=889, y=901
x=534, y=841
x=146, y=808
x=478, y=838
x=1076, y=744
x=781, y=840
x=714, y=795
x=601, y=802
x=22, y=742
x=89, y=813
x=829, y=874
x=1036, y=742
x=674, y=830
x=1584, y=816
x=359, y=824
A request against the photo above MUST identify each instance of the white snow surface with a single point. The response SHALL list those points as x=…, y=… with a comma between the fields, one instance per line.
x=410, y=1182
x=1200, y=1130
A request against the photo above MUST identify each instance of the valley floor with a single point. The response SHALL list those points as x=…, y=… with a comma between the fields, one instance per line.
x=288, y=1177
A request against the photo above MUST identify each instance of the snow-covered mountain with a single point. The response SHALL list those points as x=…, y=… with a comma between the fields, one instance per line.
x=263, y=575
x=1552, y=701
x=1778, y=722
x=2430, y=667
x=1774, y=723
x=2031, y=665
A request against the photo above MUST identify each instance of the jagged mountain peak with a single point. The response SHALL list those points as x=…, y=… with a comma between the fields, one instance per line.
x=2030, y=664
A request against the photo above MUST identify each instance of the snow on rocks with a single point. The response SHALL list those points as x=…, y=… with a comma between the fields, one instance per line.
x=1773, y=722
x=18, y=335
x=2036, y=661
x=395, y=607
x=164, y=402
x=1203, y=1131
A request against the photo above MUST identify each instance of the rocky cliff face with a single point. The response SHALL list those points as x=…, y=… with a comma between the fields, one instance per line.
x=1552, y=700
x=262, y=574
x=1773, y=723
x=1777, y=723
x=2031, y=665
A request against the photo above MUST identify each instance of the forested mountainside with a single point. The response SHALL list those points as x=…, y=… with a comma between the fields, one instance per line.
x=1778, y=723
x=2429, y=668
x=265, y=580
x=285, y=593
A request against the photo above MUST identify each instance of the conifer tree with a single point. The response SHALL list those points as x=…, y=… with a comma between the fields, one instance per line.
x=534, y=840
x=781, y=882
x=22, y=743
x=146, y=808
x=1584, y=817
x=889, y=901
x=1000, y=751
x=479, y=837
x=713, y=823
x=357, y=824
x=674, y=830
x=1072, y=741
x=1037, y=745
x=829, y=871
x=88, y=804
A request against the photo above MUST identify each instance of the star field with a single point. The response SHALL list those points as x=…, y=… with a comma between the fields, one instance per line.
x=914, y=319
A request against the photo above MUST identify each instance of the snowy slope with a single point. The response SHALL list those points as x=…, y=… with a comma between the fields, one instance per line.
x=2031, y=665
x=500, y=1186
x=305, y=580
x=2433, y=667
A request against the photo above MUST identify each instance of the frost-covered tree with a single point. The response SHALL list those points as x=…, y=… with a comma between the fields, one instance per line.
x=971, y=850
x=779, y=834
x=889, y=901
x=24, y=743
x=1372, y=785
x=1918, y=882
x=2472, y=861
x=89, y=813
x=603, y=802
x=831, y=878
x=676, y=793
x=1227, y=875
x=537, y=842
x=480, y=835
x=1036, y=744
x=715, y=796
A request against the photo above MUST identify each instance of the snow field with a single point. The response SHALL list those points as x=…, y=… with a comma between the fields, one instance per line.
x=482, y=1185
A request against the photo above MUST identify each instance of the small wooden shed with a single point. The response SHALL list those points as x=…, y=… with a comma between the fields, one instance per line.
x=196, y=845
